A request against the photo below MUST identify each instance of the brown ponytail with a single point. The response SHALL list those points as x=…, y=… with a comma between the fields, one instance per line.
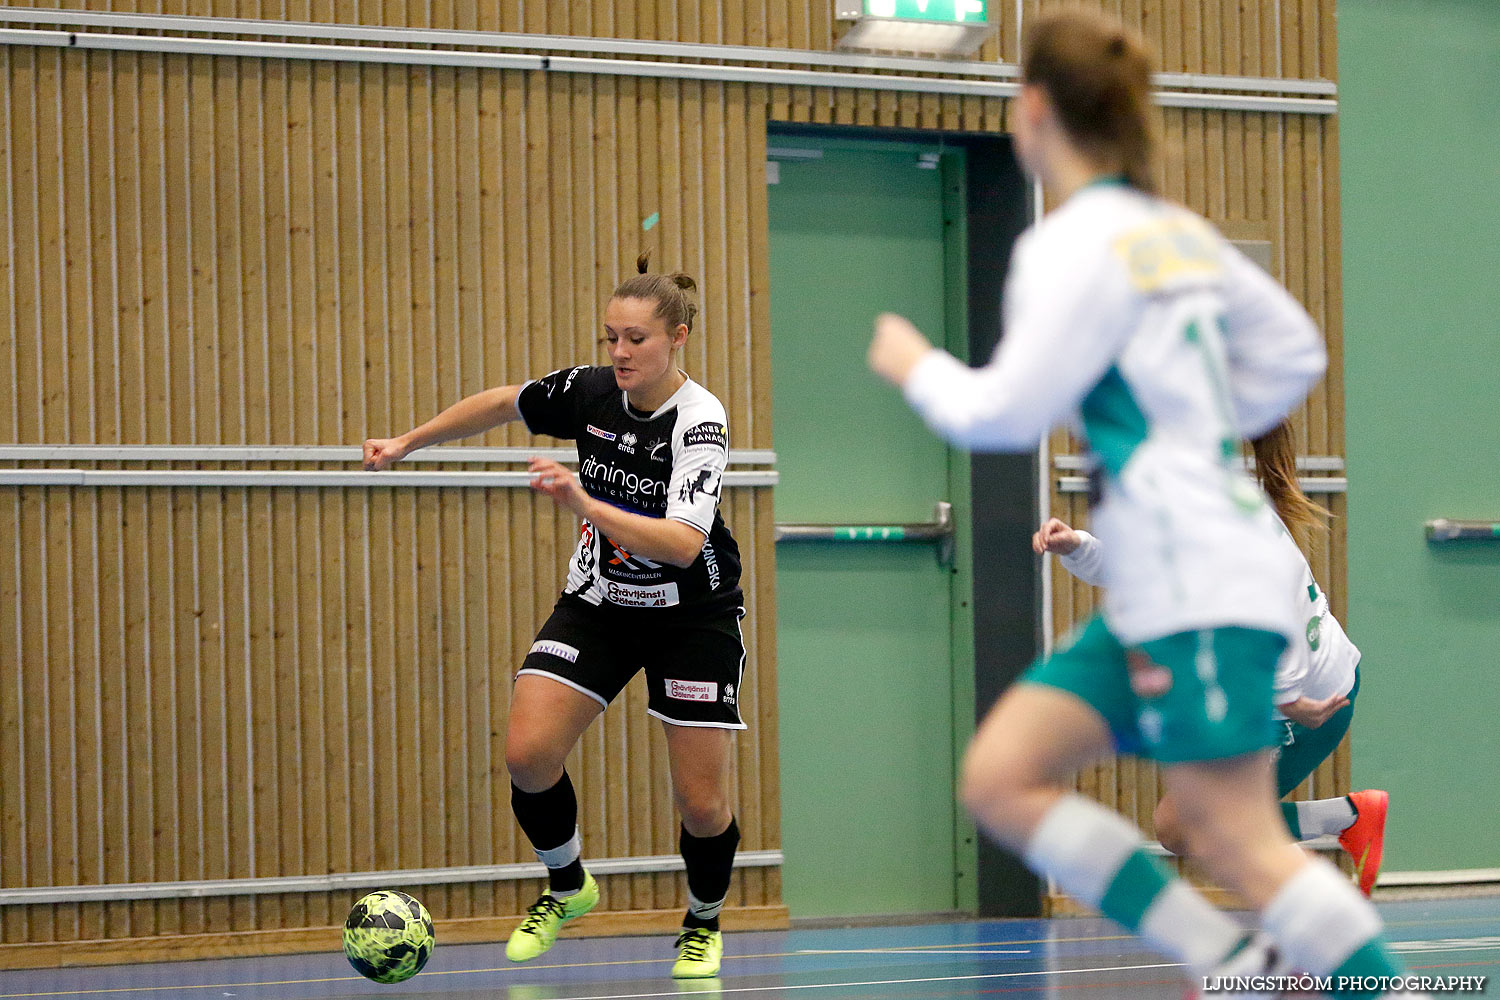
x=670, y=292
x=1098, y=76
x=1276, y=468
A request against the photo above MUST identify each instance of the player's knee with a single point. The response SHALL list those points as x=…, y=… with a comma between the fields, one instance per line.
x=532, y=763
x=996, y=787
x=704, y=807
x=1205, y=834
x=1168, y=824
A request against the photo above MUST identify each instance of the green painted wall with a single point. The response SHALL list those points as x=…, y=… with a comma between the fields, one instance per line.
x=1419, y=120
x=875, y=660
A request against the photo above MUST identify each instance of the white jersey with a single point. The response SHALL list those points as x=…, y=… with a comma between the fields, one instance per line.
x=1167, y=345
x=1317, y=666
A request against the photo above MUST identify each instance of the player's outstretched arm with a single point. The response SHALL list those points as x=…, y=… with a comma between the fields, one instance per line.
x=471, y=415
x=657, y=538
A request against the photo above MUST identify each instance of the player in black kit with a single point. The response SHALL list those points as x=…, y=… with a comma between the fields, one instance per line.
x=654, y=581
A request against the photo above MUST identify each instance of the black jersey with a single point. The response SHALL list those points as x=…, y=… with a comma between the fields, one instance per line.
x=664, y=464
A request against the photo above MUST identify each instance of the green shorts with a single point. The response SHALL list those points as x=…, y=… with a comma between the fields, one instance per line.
x=1218, y=704
x=1300, y=750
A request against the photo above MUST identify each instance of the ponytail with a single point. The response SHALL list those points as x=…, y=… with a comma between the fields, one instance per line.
x=1276, y=469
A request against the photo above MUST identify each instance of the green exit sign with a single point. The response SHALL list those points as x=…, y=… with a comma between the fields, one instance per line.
x=944, y=28
x=968, y=11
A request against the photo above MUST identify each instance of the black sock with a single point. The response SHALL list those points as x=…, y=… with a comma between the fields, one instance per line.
x=550, y=821
x=710, y=863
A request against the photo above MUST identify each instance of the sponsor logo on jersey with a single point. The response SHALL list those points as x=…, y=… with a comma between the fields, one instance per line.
x=623, y=558
x=600, y=433
x=707, y=434
x=655, y=449
x=626, y=595
x=711, y=561
x=627, y=442
x=571, y=376
x=701, y=483
x=632, y=484
x=729, y=694
x=551, y=647
x=692, y=690
x=1170, y=253
x=1314, y=631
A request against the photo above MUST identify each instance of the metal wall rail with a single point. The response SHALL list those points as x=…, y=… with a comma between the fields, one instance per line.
x=1309, y=484
x=301, y=453
x=353, y=880
x=623, y=46
x=397, y=477
x=392, y=479
x=1307, y=463
x=1327, y=843
x=940, y=528
x=1443, y=529
x=1457, y=876
x=618, y=67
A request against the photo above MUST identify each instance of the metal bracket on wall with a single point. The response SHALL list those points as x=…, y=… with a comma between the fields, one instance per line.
x=940, y=529
x=1444, y=530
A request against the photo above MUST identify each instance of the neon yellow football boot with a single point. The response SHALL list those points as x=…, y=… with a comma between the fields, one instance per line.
x=545, y=917
x=699, y=952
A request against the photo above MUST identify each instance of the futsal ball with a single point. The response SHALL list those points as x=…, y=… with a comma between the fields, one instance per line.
x=388, y=936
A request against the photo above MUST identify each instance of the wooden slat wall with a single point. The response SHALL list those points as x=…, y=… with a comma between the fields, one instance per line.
x=1291, y=38
x=228, y=683
x=221, y=683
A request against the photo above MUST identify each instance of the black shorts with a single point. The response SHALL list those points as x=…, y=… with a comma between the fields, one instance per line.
x=694, y=664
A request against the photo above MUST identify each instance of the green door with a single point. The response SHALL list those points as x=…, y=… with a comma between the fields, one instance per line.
x=873, y=663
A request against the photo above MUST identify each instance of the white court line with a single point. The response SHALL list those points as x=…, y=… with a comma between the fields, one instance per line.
x=949, y=951
x=1406, y=947
x=719, y=990
x=509, y=968
x=675, y=992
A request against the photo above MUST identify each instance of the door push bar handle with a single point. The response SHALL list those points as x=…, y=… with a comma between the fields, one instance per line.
x=940, y=529
x=1444, y=530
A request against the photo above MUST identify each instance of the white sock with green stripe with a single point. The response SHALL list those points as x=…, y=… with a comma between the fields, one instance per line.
x=1312, y=819
x=1324, y=927
x=1098, y=857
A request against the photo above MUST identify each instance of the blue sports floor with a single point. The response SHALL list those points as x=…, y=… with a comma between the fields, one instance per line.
x=1012, y=958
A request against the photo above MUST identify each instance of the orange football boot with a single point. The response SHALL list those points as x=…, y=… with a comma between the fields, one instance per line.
x=1365, y=840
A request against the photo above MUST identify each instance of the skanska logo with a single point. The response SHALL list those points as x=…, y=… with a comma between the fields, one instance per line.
x=711, y=563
